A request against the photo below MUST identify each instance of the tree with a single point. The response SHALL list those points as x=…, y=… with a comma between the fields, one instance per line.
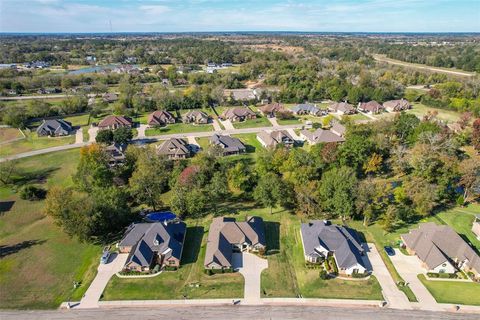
x=470, y=179
x=217, y=189
x=327, y=120
x=122, y=135
x=104, y=136
x=374, y=164
x=404, y=125
x=7, y=171
x=189, y=203
x=338, y=189
x=476, y=135
x=150, y=177
x=240, y=179
x=424, y=195
x=389, y=219
x=15, y=116
x=92, y=169
x=268, y=191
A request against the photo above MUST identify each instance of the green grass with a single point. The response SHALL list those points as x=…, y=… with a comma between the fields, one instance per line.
x=357, y=117
x=203, y=142
x=467, y=293
x=250, y=141
x=178, y=128
x=254, y=123
x=289, y=121
x=41, y=273
x=34, y=142
x=7, y=134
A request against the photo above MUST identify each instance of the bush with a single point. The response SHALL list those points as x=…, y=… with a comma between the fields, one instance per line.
x=442, y=275
x=285, y=115
x=104, y=136
x=32, y=193
x=323, y=274
x=211, y=272
x=359, y=275
x=169, y=268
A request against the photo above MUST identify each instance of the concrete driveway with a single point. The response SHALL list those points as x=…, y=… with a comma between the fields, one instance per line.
x=250, y=266
x=141, y=131
x=104, y=273
x=409, y=267
x=394, y=297
x=79, y=136
x=273, y=121
x=92, y=132
x=216, y=125
x=227, y=124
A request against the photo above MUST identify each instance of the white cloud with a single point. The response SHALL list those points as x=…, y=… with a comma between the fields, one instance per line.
x=154, y=9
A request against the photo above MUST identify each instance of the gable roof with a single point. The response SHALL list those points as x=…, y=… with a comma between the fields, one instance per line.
x=322, y=136
x=309, y=108
x=196, y=114
x=272, y=107
x=371, y=106
x=338, y=129
x=241, y=94
x=397, y=105
x=228, y=143
x=342, y=106
x=231, y=113
x=340, y=240
x=435, y=244
x=227, y=231
x=120, y=121
x=54, y=126
x=174, y=147
x=273, y=138
x=160, y=117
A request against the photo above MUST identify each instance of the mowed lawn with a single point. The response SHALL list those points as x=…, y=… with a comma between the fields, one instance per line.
x=420, y=110
x=250, y=141
x=7, y=134
x=34, y=142
x=39, y=262
x=179, y=128
x=467, y=293
x=254, y=123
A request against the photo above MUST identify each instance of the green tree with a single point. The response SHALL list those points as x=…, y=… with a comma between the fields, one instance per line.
x=268, y=191
x=338, y=190
x=122, y=135
x=92, y=169
x=240, y=179
x=104, y=136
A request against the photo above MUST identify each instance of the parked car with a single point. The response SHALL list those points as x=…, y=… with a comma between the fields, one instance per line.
x=389, y=251
x=105, y=255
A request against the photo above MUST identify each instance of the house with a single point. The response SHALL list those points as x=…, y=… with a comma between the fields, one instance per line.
x=322, y=239
x=241, y=94
x=116, y=154
x=320, y=136
x=149, y=244
x=160, y=118
x=307, y=109
x=228, y=144
x=372, y=107
x=238, y=114
x=54, y=128
x=109, y=97
x=441, y=249
x=274, y=138
x=227, y=236
x=397, y=105
x=114, y=122
x=338, y=129
x=174, y=149
x=195, y=116
x=342, y=108
x=476, y=226
x=270, y=110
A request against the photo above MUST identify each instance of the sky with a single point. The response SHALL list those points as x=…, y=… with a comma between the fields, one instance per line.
x=239, y=15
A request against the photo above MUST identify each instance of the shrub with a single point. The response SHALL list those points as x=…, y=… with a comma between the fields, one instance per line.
x=170, y=268
x=32, y=193
x=359, y=275
x=284, y=115
x=323, y=274
x=211, y=272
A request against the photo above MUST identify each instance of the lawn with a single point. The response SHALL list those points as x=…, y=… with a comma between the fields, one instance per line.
x=467, y=293
x=420, y=110
x=178, y=128
x=40, y=262
x=357, y=117
x=289, y=121
x=250, y=141
x=254, y=123
x=203, y=142
x=7, y=134
x=33, y=142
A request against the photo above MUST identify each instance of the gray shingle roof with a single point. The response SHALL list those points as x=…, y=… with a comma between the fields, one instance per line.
x=54, y=127
x=229, y=144
x=174, y=147
x=307, y=108
x=273, y=138
x=322, y=136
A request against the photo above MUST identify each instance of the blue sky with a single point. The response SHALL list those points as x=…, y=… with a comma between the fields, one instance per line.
x=242, y=15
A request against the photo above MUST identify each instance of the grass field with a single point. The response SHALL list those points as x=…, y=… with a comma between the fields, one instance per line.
x=178, y=128
x=356, y=117
x=453, y=292
x=446, y=115
x=254, y=123
x=289, y=121
x=39, y=261
x=7, y=134
x=250, y=141
x=33, y=142
x=203, y=142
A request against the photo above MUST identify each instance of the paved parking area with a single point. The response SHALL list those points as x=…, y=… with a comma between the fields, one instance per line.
x=251, y=267
x=409, y=267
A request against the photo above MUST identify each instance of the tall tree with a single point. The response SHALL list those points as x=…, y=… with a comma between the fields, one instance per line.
x=268, y=191
x=338, y=189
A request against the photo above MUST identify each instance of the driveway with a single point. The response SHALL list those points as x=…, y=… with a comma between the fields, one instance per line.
x=216, y=125
x=227, y=124
x=104, y=273
x=294, y=135
x=409, y=267
x=141, y=131
x=79, y=136
x=92, y=132
x=250, y=266
x=273, y=121
x=395, y=298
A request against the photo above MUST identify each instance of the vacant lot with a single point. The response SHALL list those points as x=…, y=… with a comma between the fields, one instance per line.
x=34, y=142
x=254, y=123
x=39, y=262
x=178, y=128
x=7, y=134
x=453, y=292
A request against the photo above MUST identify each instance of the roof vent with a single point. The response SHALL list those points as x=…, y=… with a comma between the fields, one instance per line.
x=326, y=222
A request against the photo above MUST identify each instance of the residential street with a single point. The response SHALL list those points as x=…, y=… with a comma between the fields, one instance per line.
x=232, y=312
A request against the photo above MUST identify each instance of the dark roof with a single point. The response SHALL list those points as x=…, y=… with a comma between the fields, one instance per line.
x=342, y=106
x=116, y=120
x=340, y=240
x=371, y=106
x=174, y=147
x=55, y=126
x=231, y=113
x=272, y=107
x=273, y=138
x=160, y=117
x=322, y=136
x=229, y=144
x=310, y=108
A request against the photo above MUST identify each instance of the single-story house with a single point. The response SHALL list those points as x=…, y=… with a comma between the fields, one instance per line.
x=320, y=136
x=397, y=105
x=160, y=118
x=476, y=226
x=270, y=110
x=116, y=153
x=109, y=97
x=321, y=239
x=227, y=236
x=307, y=109
x=372, y=107
x=174, y=149
x=54, y=128
x=114, y=122
x=149, y=244
x=228, y=144
x=274, y=138
x=441, y=249
x=241, y=94
x=238, y=114
x=339, y=129
x=195, y=116
x=342, y=108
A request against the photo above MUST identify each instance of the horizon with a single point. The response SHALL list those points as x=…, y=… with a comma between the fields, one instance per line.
x=202, y=16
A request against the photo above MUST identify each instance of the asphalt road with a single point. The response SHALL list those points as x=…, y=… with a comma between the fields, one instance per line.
x=233, y=312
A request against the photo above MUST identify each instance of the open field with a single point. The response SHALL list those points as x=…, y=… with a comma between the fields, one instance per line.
x=254, y=123
x=39, y=261
x=453, y=292
x=33, y=142
x=7, y=134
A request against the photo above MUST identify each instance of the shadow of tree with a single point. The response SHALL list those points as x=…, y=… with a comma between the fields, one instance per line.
x=35, y=176
x=193, y=241
x=6, y=206
x=272, y=234
x=6, y=250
